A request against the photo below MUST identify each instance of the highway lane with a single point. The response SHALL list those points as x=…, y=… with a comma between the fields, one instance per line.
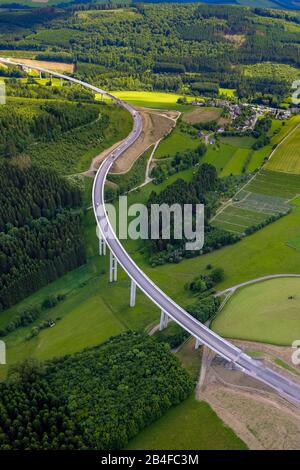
x=252, y=367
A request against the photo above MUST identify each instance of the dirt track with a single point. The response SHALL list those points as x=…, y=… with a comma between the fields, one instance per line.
x=156, y=124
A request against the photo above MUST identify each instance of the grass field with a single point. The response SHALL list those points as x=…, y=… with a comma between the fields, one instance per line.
x=228, y=92
x=263, y=312
x=154, y=99
x=245, y=142
x=176, y=141
x=237, y=163
x=287, y=155
x=295, y=243
x=230, y=156
x=192, y=425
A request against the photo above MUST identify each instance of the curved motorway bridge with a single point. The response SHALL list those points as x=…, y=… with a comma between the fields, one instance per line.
x=285, y=387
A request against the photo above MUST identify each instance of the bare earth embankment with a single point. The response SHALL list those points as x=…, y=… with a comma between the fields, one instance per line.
x=156, y=124
x=55, y=66
x=262, y=419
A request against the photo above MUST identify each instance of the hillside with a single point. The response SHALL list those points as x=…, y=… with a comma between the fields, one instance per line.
x=278, y=4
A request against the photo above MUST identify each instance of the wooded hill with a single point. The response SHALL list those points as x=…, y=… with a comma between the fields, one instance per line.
x=162, y=46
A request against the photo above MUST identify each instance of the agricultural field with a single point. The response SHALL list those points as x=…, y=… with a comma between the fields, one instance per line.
x=276, y=184
x=182, y=428
x=267, y=194
x=202, y=114
x=266, y=312
x=286, y=157
x=238, y=162
x=279, y=130
x=236, y=219
x=261, y=203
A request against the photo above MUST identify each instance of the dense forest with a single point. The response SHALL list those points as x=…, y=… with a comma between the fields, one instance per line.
x=96, y=399
x=174, y=47
x=40, y=230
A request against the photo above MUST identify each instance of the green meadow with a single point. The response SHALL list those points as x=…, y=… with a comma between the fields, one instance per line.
x=268, y=312
x=154, y=99
x=177, y=141
x=192, y=425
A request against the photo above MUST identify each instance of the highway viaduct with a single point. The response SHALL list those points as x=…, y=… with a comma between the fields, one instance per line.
x=285, y=387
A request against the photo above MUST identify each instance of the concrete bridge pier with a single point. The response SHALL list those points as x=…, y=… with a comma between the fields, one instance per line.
x=61, y=82
x=132, y=293
x=102, y=247
x=113, y=268
x=40, y=75
x=163, y=320
x=198, y=343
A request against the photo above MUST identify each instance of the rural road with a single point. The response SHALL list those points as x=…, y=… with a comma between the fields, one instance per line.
x=285, y=387
x=253, y=281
